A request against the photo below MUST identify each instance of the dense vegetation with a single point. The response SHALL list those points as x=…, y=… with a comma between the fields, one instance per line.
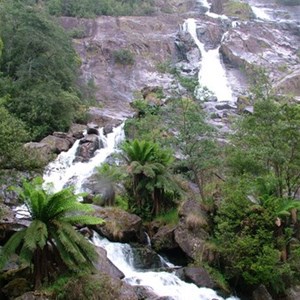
x=38, y=74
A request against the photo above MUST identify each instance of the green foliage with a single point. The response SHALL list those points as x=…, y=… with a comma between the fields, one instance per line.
x=39, y=67
x=150, y=184
x=169, y=217
x=13, y=133
x=92, y=8
x=195, y=141
x=50, y=242
x=266, y=143
x=123, y=57
x=249, y=241
x=189, y=83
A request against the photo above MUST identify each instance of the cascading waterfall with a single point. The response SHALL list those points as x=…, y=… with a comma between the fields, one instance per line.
x=64, y=172
x=212, y=72
x=161, y=283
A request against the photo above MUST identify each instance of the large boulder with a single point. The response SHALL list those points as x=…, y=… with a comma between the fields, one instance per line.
x=87, y=147
x=16, y=287
x=191, y=232
x=261, y=293
x=119, y=225
x=41, y=151
x=104, y=265
x=76, y=130
x=34, y=296
x=293, y=293
x=164, y=239
x=58, y=142
x=198, y=276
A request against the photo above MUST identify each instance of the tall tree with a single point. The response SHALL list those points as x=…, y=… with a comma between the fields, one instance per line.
x=50, y=242
x=194, y=138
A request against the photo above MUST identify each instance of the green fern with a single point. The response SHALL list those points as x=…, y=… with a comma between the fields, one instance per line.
x=51, y=230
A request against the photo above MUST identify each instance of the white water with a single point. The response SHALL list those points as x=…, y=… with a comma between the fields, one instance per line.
x=161, y=283
x=63, y=172
x=212, y=72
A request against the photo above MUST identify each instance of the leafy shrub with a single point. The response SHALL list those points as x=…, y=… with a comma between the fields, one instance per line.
x=123, y=57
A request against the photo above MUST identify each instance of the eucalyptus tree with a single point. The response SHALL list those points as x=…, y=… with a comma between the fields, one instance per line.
x=194, y=138
x=51, y=243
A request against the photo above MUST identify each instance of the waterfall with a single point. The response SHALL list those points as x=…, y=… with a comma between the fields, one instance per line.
x=161, y=283
x=64, y=172
x=212, y=72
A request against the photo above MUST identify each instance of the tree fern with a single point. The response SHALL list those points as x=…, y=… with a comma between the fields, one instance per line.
x=51, y=230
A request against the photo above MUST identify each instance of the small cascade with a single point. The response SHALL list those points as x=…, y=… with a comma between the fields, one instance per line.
x=64, y=171
x=212, y=73
x=161, y=283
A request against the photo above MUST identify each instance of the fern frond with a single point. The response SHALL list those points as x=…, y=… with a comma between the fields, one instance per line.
x=36, y=235
x=11, y=246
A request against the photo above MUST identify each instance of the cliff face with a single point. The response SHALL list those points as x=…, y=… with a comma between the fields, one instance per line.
x=153, y=41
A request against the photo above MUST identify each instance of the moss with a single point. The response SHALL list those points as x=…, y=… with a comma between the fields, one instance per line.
x=238, y=9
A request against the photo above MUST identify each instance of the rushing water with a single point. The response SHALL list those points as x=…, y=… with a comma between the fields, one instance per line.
x=161, y=283
x=212, y=72
x=64, y=172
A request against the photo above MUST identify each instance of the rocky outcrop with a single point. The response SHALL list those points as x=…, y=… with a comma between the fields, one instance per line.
x=119, y=226
x=191, y=232
x=261, y=293
x=266, y=45
x=40, y=151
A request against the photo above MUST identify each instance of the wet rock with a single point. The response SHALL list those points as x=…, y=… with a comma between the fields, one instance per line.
x=196, y=275
x=87, y=147
x=164, y=239
x=104, y=265
x=264, y=45
x=108, y=129
x=290, y=84
x=224, y=106
x=146, y=258
x=57, y=144
x=191, y=232
x=98, y=286
x=119, y=226
x=261, y=293
x=92, y=128
x=76, y=130
x=144, y=292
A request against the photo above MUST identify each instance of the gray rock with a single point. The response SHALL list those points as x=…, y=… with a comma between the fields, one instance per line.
x=87, y=147
x=191, y=234
x=261, y=293
x=164, y=239
x=198, y=276
x=106, y=266
x=293, y=293
x=57, y=144
x=119, y=225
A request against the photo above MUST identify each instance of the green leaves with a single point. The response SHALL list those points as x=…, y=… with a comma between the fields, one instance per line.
x=51, y=230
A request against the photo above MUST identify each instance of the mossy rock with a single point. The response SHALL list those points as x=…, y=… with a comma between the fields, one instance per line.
x=240, y=10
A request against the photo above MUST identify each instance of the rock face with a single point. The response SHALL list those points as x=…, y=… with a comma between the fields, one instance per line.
x=267, y=45
x=164, y=239
x=119, y=225
x=191, y=232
